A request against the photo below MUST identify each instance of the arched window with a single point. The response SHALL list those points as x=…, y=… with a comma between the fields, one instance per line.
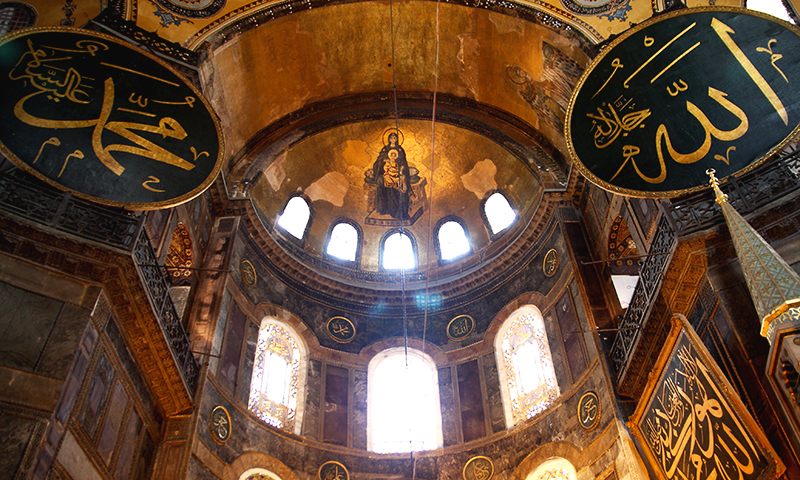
x=343, y=242
x=295, y=216
x=258, y=474
x=278, y=371
x=527, y=378
x=554, y=469
x=498, y=212
x=404, y=413
x=453, y=240
x=15, y=16
x=398, y=252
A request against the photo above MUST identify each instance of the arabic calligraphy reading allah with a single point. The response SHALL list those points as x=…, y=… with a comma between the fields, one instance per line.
x=615, y=120
x=47, y=69
x=692, y=430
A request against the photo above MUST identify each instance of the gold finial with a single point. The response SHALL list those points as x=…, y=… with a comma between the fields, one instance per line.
x=721, y=197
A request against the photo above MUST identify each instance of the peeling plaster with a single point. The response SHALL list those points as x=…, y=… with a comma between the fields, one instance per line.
x=331, y=188
x=480, y=179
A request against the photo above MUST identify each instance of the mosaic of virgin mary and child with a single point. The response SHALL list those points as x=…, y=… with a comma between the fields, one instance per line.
x=398, y=189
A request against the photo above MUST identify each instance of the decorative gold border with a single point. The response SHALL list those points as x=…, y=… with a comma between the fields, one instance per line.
x=339, y=340
x=653, y=20
x=476, y=457
x=681, y=324
x=129, y=206
x=458, y=339
x=331, y=462
x=211, y=425
x=544, y=262
x=599, y=411
x=241, y=272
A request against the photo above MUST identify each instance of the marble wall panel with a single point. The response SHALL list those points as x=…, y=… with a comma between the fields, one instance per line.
x=450, y=413
x=470, y=397
x=113, y=421
x=312, y=415
x=359, y=418
x=98, y=395
x=15, y=434
x=494, y=399
x=229, y=363
x=26, y=322
x=246, y=376
x=63, y=341
x=131, y=369
x=334, y=429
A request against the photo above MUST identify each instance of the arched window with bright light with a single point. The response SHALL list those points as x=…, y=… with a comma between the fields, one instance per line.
x=343, y=242
x=398, y=252
x=278, y=371
x=295, y=216
x=498, y=212
x=453, y=241
x=554, y=469
x=404, y=414
x=527, y=377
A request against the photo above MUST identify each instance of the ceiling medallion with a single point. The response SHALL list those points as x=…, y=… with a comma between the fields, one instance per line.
x=478, y=468
x=220, y=424
x=460, y=327
x=550, y=263
x=589, y=410
x=341, y=330
x=331, y=470
x=593, y=7
x=193, y=9
x=248, y=273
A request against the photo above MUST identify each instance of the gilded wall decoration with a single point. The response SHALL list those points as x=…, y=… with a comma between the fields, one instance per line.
x=341, y=329
x=478, y=468
x=331, y=470
x=589, y=410
x=460, y=327
x=220, y=424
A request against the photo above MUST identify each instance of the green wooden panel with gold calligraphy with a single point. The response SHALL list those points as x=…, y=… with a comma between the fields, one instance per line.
x=711, y=87
x=691, y=422
x=104, y=120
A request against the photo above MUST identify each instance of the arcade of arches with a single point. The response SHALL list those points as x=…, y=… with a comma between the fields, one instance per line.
x=362, y=292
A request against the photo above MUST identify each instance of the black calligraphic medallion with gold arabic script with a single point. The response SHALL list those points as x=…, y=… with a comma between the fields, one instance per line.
x=104, y=120
x=710, y=87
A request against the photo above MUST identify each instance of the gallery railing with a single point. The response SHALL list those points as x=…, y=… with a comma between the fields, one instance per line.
x=650, y=279
x=43, y=205
x=756, y=189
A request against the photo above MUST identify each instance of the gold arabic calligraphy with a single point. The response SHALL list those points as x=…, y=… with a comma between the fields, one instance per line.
x=51, y=76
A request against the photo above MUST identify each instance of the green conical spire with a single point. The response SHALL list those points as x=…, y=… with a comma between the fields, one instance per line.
x=773, y=284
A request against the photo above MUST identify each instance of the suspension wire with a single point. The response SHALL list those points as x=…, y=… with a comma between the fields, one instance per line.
x=429, y=249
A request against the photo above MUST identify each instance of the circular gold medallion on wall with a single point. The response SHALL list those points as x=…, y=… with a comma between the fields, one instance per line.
x=341, y=330
x=248, y=273
x=478, y=468
x=550, y=263
x=589, y=410
x=220, y=424
x=460, y=327
x=331, y=470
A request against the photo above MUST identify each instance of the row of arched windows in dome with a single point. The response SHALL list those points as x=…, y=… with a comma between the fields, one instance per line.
x=403, y=408
x=344, y=238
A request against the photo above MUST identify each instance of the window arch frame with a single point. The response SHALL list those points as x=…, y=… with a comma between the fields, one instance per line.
x=437, y=243
x=436, y=402
x=302, y=372
x=30, y=10
x=511, y=417
x=492, y=235
x=359, y=242
x=553, y=463
x=414, y=251
x=287, y=234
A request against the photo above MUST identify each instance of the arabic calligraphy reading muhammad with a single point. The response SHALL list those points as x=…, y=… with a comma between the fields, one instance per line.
x=341, y=329
x=699, y=88
x=90, y=114
x=691, y=428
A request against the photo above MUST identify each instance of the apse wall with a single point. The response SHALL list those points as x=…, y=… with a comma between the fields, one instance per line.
x=333, y=400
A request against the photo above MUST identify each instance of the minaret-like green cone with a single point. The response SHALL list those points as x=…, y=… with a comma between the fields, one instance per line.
x=773, y=284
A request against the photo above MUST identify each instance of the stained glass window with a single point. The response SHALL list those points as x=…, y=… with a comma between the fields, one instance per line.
x=295, y=216
x=498, y=212
x=527, y=365
x=452, y=240
x=403, y=402
x=276, y=371
x=554, y=469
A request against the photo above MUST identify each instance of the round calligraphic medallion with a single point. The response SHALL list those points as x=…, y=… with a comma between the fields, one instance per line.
x=220, y=424
x=460, y=327
x=478, y=468
x=248, y=273
x=550, y=263
x=341, y=329
x=589, y=410
x=104, y=120
x=331, y=470
x=709, y=87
